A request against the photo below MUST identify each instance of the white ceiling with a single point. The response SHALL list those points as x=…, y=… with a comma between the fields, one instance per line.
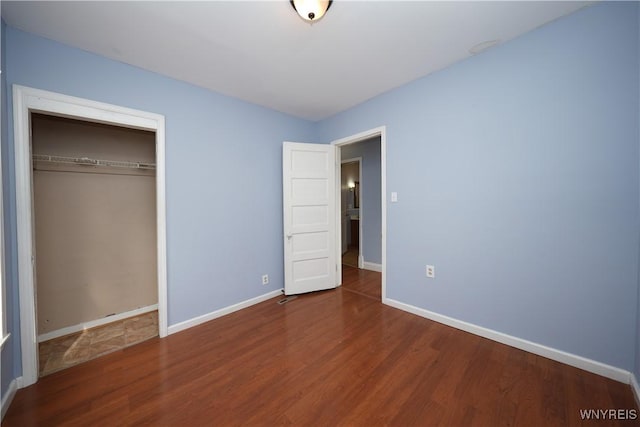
x=262, y=52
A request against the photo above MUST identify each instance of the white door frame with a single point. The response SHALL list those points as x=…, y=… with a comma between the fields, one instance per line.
x=368, y=134
x=25, y=101
x=359, y=161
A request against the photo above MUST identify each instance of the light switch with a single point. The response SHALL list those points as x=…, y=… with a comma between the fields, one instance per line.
x=394, y=196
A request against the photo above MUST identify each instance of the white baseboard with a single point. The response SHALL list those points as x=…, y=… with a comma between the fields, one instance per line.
x=93, y=323
x=222, y=312
x=539, y=349
x=372, y=266
x=9, y=395
x=636, y=389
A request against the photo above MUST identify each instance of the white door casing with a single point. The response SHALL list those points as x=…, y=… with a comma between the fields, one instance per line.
x=309, y=206
x=26, y=100
x=362, y=136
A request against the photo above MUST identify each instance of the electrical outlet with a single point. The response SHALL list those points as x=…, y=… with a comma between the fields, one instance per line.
x=431, y=271
x=265, y=279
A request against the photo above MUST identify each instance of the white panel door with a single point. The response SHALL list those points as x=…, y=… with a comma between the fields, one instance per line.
x=308, y=172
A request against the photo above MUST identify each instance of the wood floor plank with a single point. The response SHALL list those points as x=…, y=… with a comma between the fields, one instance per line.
x=338, y=358
x=363, y=282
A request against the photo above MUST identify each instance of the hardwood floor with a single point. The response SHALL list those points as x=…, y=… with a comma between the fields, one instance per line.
x=350, y=257
x=364, y=282
x=323, y=359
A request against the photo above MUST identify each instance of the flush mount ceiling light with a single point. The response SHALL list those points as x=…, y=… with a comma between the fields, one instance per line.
x=311, y=10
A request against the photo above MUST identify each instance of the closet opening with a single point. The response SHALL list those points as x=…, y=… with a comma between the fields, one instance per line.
x=95, y=238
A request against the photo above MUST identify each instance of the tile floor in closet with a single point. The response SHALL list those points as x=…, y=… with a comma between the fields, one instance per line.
x=69, y=350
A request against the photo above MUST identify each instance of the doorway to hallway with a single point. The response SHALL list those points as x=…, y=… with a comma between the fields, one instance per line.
x=361, y=215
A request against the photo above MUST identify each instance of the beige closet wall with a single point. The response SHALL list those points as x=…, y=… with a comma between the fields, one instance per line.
x=95, y=227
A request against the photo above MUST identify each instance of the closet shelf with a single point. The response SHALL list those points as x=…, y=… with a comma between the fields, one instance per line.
x=86, y=161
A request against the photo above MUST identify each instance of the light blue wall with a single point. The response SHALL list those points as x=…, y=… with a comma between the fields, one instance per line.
x=10, y=352
x=637, y=370
x=371, y=206
x=224, y=170
x=517, y=177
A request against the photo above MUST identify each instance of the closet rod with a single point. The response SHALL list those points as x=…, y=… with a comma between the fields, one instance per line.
x=86, y=161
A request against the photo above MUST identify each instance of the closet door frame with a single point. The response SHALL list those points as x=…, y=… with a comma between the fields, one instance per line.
x=25, y=101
